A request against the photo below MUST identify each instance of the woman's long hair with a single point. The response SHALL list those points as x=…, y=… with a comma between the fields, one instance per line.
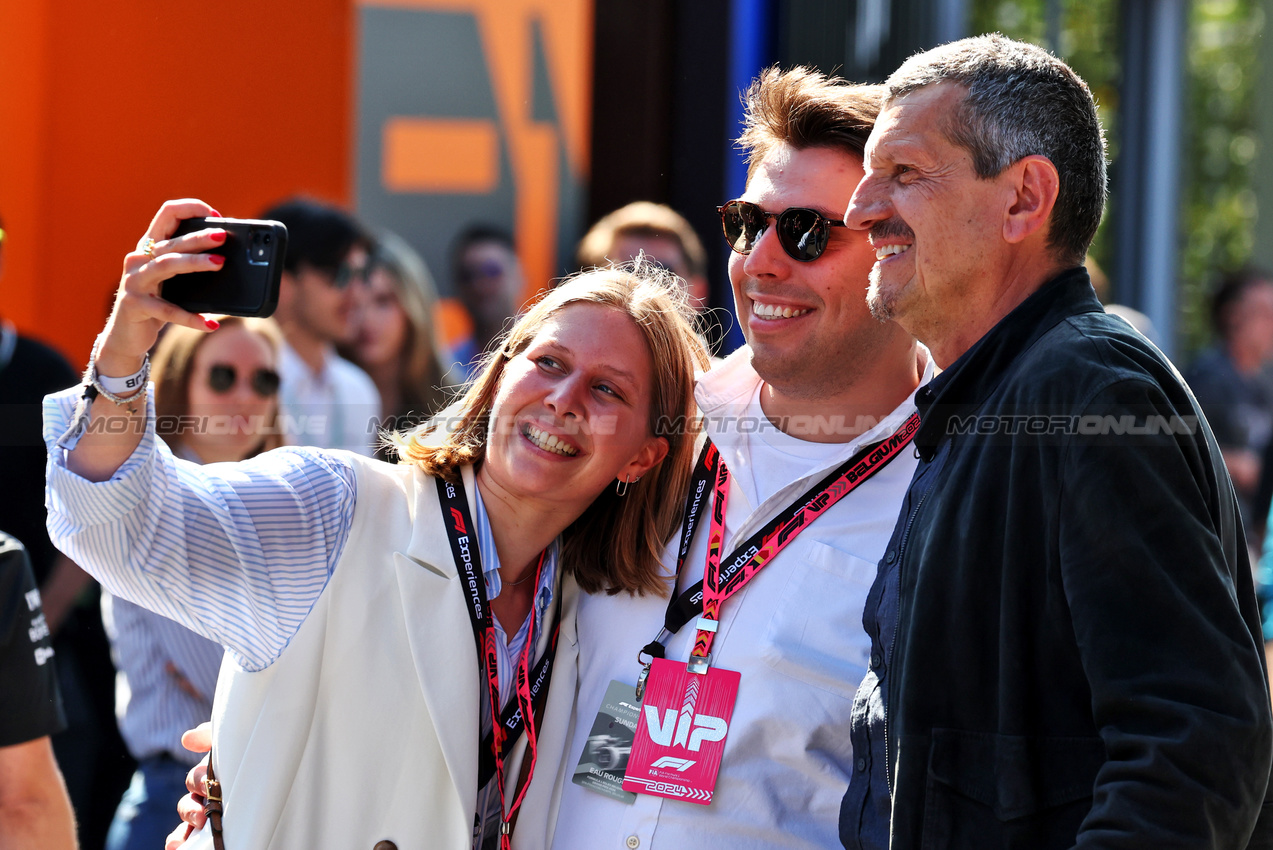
x=422, y=387
x=617, y=543
x=171, y=366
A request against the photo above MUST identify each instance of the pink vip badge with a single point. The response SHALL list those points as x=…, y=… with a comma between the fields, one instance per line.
x=680, y=734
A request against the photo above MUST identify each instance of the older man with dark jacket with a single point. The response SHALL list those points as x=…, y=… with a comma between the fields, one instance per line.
x=1066, y=649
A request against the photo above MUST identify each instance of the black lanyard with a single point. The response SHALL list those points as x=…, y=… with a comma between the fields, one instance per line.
x=741, y=564
x=529, y=686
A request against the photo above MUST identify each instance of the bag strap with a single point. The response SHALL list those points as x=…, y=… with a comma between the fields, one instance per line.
x=212, y=806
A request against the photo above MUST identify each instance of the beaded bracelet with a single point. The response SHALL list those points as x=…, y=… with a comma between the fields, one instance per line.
x=121, y=392
x=93, y=387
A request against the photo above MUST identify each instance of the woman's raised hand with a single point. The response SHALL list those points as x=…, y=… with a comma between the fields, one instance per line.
x=139, y=311
x=139, y=314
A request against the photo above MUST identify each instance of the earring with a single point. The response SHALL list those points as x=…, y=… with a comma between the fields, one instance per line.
x=621, y=487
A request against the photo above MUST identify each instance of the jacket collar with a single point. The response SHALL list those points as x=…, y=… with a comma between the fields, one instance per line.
x=974, y=376
x=441, y=638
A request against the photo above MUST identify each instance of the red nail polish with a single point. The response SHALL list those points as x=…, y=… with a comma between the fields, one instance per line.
x=212, y=324
x=217, y=260
x=217, y=237
x=216, y=214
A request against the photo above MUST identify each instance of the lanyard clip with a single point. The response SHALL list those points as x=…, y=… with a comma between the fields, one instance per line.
x=641, y=680
x=699, y=664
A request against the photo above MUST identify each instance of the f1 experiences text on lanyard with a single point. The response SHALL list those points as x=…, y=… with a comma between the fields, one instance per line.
x=685, y=709
x=522, y=713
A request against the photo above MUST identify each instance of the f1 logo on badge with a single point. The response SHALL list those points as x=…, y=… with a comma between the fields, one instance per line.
x=675, y=763
x=705, y=728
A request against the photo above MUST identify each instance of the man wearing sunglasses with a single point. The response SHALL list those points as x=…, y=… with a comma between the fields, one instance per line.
x=819, y=381
x=1071, y=653
x=324, y=400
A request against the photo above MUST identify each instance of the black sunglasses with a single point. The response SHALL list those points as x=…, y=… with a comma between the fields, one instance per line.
x=485, y=270
x=802, y=233
x=222, y=378
x=347, y=274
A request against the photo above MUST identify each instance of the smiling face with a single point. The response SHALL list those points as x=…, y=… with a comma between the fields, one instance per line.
x=572, y=413
x=807, y=323
x=937, y=228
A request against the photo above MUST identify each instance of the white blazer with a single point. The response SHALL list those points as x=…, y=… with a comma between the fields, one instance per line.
x=366, y=728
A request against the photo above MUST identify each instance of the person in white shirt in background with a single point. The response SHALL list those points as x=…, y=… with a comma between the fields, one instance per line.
x=818, y=380
x=325, y=400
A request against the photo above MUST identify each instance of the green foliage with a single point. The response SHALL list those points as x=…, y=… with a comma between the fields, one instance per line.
x=1218, y=203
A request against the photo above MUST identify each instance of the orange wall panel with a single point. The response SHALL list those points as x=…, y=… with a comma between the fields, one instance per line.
x=112, y=108
x=23, y=32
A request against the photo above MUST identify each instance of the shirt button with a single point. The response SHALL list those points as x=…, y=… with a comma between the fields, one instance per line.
x=861, y=765
x=876, y=660
x=890, y=556
x=633, y=842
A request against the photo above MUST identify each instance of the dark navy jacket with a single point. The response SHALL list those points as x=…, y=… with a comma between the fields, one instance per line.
x=1078, y=657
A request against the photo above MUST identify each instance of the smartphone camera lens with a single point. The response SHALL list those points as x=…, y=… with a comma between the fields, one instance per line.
x=260, y=247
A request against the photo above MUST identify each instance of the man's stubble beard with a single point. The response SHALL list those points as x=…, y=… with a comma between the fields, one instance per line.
x=819, y=376
x=876, y=301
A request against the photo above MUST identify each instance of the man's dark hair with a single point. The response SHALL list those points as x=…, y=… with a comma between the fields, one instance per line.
x=1228, y=295
x=805, y=108
x=472, y=235
x=319, y=235
x=1021, y=101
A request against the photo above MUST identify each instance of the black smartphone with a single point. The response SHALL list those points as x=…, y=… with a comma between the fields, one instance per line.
x=247, y=285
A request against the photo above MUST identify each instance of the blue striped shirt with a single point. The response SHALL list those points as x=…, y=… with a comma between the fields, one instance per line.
x=236, y=552
x=154, y=656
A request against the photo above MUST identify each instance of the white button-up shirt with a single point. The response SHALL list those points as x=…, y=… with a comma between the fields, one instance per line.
x=335, y=408
x=794, y=633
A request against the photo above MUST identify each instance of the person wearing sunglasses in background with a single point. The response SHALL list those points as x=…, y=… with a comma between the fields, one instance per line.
x=327, y=401
x=487, y=282
x=819, y=382
x=216, y=399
